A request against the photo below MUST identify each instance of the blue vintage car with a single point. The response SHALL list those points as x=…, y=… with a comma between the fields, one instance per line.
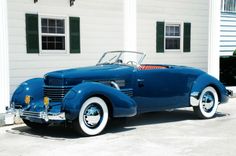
x=118, y=86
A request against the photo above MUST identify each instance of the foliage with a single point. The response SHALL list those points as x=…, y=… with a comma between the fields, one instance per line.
x=234, y=52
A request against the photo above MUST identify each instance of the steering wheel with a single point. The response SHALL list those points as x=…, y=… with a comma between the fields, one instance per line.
x=133, y=63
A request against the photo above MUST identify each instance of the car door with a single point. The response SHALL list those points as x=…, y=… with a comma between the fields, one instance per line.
x=159, y=89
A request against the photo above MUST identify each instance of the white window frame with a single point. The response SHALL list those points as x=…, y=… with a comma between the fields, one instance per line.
x=53, y=52
x=181, y=36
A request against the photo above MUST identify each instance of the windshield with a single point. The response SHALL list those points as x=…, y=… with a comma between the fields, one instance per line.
x=122, y=57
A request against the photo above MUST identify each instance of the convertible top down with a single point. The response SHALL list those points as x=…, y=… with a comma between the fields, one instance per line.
x=118, y=86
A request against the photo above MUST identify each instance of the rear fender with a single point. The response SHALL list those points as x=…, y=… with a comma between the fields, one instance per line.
x=122, y=105
x=202, y=82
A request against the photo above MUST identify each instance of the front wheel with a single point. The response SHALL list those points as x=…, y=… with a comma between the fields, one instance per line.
x=208, y=103
x=93, y=117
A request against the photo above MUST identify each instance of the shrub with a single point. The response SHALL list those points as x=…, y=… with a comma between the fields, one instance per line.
x=234, y=52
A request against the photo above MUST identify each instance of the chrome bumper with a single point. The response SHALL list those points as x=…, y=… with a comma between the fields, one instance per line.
x=40, y=115
x=43, y=115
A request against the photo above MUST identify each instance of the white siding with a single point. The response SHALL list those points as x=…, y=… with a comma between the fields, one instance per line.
x=193, y=11
x=227, y=33
x=101, y=30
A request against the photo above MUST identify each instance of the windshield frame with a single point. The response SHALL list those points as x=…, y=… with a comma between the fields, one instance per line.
x=122, y=52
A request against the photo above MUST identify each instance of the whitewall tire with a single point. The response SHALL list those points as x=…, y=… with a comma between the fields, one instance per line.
x=208, y=103
x=93, y=117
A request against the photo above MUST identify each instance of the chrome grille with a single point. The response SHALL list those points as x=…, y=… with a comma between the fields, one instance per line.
x=56, y=94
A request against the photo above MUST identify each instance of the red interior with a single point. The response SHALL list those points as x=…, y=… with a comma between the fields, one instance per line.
x=150, y=67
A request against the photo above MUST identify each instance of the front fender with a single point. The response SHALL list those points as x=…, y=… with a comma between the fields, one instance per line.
x=122, y=105
x=32, y=87
x=202, y=82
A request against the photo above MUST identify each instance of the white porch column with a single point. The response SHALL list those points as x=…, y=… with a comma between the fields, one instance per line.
x=4, y=59
x=214, y=38
x=130, y=25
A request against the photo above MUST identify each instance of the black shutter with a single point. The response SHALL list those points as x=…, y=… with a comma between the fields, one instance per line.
x=160, y=30
x=187, y=37
x=32, y=35
x=74, y=35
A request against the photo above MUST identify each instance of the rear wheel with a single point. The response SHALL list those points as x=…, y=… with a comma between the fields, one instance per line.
x=208, y=103
x=93, y=117
x=35, y=126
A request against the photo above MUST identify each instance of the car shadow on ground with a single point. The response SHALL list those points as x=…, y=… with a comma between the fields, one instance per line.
x=155, y=118
x=60, y=132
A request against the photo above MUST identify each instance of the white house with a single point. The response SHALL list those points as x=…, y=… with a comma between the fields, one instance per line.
x=228, y=43
x=46, y=35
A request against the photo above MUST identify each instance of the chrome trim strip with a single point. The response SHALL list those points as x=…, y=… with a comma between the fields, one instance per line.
x=58, y=87
x=115, y=85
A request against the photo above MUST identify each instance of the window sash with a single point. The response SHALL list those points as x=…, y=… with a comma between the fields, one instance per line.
x=53, y=43
x=47, y=25
x=171, y=29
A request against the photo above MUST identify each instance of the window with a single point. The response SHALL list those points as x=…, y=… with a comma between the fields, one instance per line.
x=228, y=5
x=52, y=35
x=172, y=37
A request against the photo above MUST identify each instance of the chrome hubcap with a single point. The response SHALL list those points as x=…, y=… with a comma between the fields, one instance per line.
x=208, y=101
x=93, y=115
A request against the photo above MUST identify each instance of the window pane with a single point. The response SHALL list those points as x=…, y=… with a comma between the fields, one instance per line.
x=60, y=26
x=52, y=30
x=52, y=23
x=44, y=22
x=172, y=31
x=60, y=23
x=44, y=39
x=51, y=39
x=59, y=39
x=44, y=46
x=60, y=30
x=51, y=46
x=177, y=32
x=167, y=31
x=44, y=30
x=172, y=43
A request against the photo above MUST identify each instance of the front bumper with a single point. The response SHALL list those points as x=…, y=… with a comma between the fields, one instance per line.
x=45, y=116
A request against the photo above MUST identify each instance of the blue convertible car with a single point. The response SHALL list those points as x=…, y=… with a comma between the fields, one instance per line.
x=118, y=86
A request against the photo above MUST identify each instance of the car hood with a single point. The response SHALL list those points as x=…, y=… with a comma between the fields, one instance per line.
x=75, y=76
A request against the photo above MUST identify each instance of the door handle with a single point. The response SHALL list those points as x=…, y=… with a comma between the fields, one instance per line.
x=140, y=82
